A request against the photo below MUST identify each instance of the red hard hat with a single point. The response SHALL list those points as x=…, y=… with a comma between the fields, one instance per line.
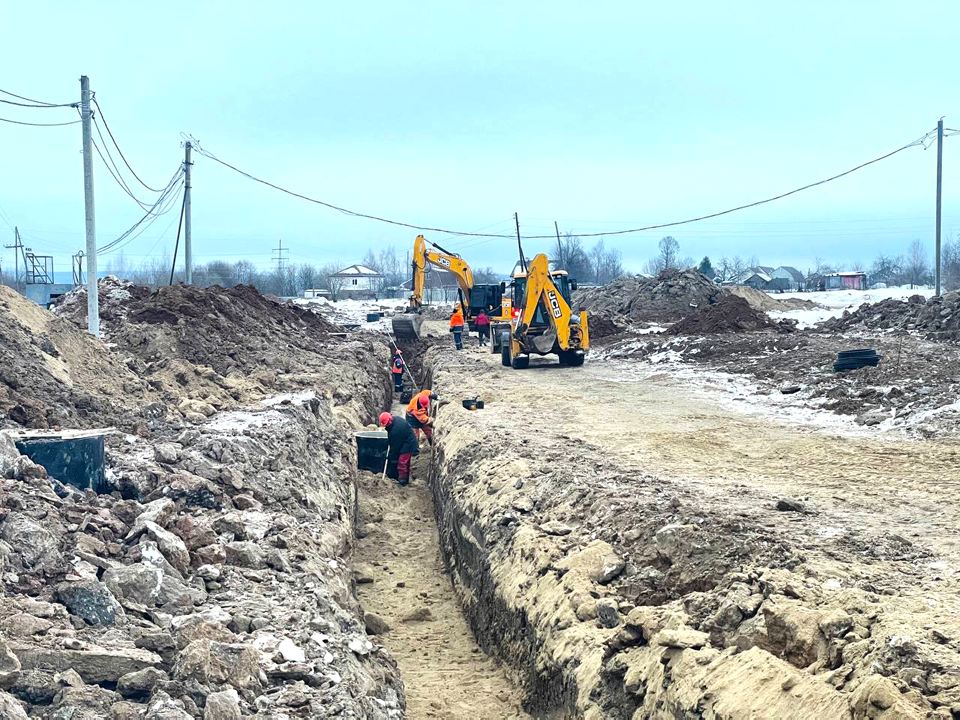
x=385, y=419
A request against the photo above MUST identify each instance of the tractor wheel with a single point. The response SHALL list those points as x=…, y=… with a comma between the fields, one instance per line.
x=505, y=346
x=521, y=362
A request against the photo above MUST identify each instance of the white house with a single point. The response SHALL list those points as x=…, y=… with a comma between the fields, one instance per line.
x=786, y=279
x=357, y=281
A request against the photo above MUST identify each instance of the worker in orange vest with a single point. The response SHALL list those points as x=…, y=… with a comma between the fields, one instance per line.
x=396, y=367
x=456, y=327
x=418, y=414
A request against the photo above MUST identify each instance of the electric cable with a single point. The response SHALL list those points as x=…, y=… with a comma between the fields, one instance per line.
x=922, y=140
x=43, y=103
x=161, y=207
x=117, y=179
x=20, y=122
x=116, y=145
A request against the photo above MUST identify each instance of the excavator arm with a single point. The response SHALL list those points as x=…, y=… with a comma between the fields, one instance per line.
x=407, y=326
x=540, y=289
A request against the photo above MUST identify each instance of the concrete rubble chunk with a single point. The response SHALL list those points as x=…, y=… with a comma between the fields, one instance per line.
x=35, y=545
x=91, y=601
x=173, y=548
x=598, y=562
x=139, y=582
x=224, y=705
x=9, y=666
x=681, y=638
x=216, y=663
x=140, y=683
x=11, y=708
x=159, y=512
x=94, y=664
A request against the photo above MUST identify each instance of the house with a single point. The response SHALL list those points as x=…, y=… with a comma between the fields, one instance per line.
x=845, y=281
x=786, y=279
x=764, y=270
x=315, y=294
x=357, y=281
x=758, y=280
x=439, y=286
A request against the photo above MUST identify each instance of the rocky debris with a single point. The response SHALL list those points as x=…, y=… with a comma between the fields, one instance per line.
x=209, y=581
x=375, y=624
x=759, y=300
x=667, y=297
x=936, y=318
x=730, y=313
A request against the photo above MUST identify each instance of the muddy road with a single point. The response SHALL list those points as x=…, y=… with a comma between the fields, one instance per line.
x=762, y=534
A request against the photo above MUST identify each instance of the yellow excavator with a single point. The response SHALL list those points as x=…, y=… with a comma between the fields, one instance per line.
x=542, y=321
x=472, y=298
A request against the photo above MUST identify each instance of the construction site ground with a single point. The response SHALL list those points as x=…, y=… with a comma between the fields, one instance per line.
x=693, y=496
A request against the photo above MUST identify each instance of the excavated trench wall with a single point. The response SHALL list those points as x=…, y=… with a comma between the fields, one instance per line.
x=613, y=594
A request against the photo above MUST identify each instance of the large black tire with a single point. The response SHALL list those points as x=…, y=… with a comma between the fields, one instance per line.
x=521, y=362
x=570, y=358
x=505, y=346
x=576, y=360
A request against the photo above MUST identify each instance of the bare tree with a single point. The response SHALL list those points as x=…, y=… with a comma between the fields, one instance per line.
x=597, y=254
x=485, y=276
x=917, y=267
x=724, y=268
x=738, y=269
x=571, y=256
x=950, y=263
x=669, y=248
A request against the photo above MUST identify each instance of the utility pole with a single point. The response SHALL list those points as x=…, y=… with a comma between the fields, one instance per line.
x=939, y=192
x=93, y=301
x=17, y=248
x=187, y=228
x=523, y=260
x=280, y=258
x=559, y=246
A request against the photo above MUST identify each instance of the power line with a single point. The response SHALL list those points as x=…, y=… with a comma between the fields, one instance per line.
x=922, y=140
x=116, y=145
x=119, y=180
x=43, y=103
x=20, y=122
x=161, y=207
x=39, y=107
x=345, y=211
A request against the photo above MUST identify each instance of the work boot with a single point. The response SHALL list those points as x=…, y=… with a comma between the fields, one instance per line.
x=403, y=482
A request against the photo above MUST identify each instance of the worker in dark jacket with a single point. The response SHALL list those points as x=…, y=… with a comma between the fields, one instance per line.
x=402, y=447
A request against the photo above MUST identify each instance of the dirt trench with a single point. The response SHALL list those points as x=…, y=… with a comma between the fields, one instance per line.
x=402, y=580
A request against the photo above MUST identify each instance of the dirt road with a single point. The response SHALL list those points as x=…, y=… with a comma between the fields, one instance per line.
x=444, y=672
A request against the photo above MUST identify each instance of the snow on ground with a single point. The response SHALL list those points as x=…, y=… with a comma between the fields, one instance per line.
x=354, y=312
x=836, y=301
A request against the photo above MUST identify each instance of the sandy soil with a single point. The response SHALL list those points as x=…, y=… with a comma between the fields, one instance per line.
x=445, y=673
x=867, y=530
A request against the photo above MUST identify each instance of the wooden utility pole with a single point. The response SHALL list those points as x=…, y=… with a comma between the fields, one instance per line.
x=17, y=249
x=523, y=260
x=939, y=192
x=93, y=304
x=559, y=246
x=187, y=226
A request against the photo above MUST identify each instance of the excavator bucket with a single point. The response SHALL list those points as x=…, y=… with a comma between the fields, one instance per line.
x=407, y=326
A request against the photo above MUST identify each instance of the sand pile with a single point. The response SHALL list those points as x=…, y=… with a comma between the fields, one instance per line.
x=767, y=303
x=731, y=313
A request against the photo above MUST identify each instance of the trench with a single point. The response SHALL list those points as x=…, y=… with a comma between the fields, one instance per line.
x=402, y=579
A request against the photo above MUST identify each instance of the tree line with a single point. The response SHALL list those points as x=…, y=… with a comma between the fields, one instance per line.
x=597, y=265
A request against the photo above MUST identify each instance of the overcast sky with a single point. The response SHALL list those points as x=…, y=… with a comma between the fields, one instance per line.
x=601, y=116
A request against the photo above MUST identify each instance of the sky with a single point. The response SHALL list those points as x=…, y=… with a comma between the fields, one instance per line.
x=600, y=116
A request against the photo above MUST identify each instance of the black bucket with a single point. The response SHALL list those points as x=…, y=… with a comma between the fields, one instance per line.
x=373, y=316
x=371, y=450
x=77, y=460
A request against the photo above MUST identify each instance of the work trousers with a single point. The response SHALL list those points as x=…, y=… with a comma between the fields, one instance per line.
x=458, y=337
x=398, y=381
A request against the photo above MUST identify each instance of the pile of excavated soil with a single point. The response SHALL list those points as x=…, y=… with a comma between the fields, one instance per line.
x=669, y=296
x=937, y=318
x=729, y=314
x=763, y=301
x=211, y=582
x=53, y=375
x=215, y=345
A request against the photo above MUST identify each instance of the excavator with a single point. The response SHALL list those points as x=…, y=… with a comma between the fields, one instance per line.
x=542, y=321
x=472, y=298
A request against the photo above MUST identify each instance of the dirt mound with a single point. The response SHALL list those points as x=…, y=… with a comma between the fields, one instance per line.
x=669, y=296
x=220, y=345
x=731, y=313
x=937, y=318
x=54, y=375
x=762, y=301
x=603, y=326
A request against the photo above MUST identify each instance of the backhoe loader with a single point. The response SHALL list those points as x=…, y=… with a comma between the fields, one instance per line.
x=542, y=322
x=472, y=298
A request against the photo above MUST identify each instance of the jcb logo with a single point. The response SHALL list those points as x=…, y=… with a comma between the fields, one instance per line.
x=443, y=261
x=554, y=304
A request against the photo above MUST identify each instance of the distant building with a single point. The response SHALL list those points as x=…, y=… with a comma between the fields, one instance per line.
x=786, y=279
x=357, y=281
x=315, y=293
x=439, y=286
x=845, y=281
x=758, y=280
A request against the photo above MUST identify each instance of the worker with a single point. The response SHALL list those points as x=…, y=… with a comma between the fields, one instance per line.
x=402, y=447
x=418, y=414
x=483, y=328
x=397, y=369
x=456, y=327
